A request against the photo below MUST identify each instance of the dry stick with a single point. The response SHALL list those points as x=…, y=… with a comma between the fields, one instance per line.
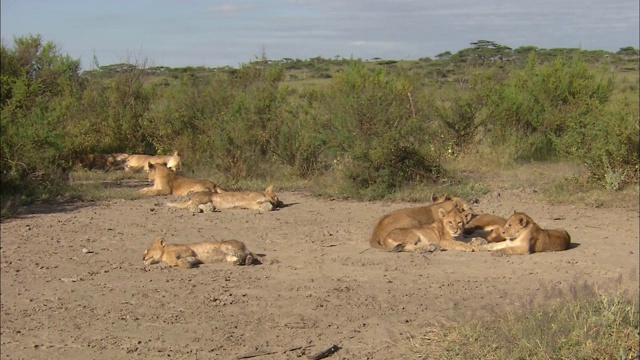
x=255, y=354
x=413, y=109
x=263, y=353
x=325, y=353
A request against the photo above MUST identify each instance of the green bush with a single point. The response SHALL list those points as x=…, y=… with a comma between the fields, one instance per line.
x=40, y=88
x=374, y=127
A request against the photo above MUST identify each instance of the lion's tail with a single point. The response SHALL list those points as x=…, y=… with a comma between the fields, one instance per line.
x=179, y=205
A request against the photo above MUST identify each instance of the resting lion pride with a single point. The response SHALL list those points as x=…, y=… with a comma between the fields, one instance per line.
x=166, y=182
x=413, y=218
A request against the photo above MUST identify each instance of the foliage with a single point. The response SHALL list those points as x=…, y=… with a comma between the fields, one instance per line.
x=374, y=129
x=376, y=126
x=39, y=89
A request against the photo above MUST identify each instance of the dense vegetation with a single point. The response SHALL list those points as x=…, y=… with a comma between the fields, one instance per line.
x=374, y=126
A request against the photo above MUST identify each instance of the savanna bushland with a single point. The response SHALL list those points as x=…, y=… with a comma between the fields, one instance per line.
x=351, y=128
x=369, y=128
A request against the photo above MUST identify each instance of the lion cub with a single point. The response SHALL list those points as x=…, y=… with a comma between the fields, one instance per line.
x=190, y=255
x=415, y=217
x=446, y=234
x=255, y=200
x=141, y=162
x=486, y=226
x=524, y=236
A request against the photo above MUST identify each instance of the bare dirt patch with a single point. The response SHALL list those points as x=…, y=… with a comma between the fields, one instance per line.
x=319, y=284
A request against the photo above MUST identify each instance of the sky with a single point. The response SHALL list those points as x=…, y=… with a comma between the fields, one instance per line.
x=179, y=33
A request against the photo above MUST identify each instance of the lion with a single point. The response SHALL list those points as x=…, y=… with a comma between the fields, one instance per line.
x=444, y=234
x=254, y=200
x=415, y=217
x=524, y=236
x=140, y=162
x=486, y=226
x=191, y=255
x=166, y=182
x=105, y=162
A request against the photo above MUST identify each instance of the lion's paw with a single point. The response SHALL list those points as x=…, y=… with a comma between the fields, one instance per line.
x=206, y=208
x=477, y=241
x=429, y=248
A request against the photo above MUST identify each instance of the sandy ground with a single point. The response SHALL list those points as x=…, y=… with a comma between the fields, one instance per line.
x=320, y=284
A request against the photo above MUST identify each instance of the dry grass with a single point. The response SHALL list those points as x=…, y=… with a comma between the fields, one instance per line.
x=553, y=182
x=580, y=323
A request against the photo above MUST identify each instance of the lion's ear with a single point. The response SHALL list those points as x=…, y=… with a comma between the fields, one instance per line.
x=269, y=190
x=468, y=217
x=150, y=165
x=442, y=213
x=522, y=221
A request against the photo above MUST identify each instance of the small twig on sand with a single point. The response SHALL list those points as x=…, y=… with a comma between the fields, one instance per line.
x=263, y=353
x=325, y=353
x=255, y=354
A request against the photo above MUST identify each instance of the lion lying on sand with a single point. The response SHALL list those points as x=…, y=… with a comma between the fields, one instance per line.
x=254, y=200
x=444, y=234
x=191, y=255
x=166, y=182
x=524, y=236
x=105, y=162
x=414, y=218
x=141, y=162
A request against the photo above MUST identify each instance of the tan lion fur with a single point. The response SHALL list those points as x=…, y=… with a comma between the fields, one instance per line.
x=140, y=162
x=486, y=226
x=190, y=255
x=524, y=236
x=166, y=182
x=254, y=200
x=105, y=162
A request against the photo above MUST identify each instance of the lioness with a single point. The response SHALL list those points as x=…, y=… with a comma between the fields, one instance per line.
x=101, y=161
x=190, y=255
x=486, y=226
x=255, y=200
x=165, y=182
x=446, y=234
x=524, y=236
x=140, y=162
x=413, y=218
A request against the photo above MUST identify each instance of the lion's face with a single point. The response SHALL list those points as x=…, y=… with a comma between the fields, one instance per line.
x=516, y=223
x=157, y=170
x=153, y=254
x=275, y=201
x=463, y=208
x=453, y=222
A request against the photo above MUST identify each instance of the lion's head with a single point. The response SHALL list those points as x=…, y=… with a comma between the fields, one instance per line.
x=463, y=208
x=273, y=198
x=453, y=222
x=516, y=224
x=153, y=254
x=157, y=171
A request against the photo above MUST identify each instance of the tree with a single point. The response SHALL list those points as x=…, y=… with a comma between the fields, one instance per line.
x=40, y=86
